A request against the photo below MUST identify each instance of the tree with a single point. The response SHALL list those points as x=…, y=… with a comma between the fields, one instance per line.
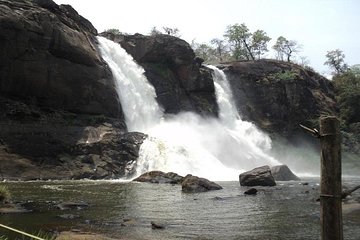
x=220, y=48
x=172, y=31
x=259, y=43
x=347, y=87
x=154, y=31
x=204, y=51
x=336, y=61
x=239, y=37
x=244, y=44
x=285, y=48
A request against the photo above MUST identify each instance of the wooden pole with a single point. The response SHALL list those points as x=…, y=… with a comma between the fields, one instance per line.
x=330, y=196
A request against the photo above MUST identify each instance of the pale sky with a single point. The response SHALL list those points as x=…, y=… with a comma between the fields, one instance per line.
x=318, y=25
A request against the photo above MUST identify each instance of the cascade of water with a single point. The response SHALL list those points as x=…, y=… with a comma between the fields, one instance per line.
x=218, y=149
x=137, y=96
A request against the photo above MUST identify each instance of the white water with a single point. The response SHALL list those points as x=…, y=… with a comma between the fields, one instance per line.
x=218, y=149
x=137, y=96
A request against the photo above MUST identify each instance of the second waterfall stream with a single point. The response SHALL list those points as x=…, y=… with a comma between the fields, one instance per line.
x=214, y=148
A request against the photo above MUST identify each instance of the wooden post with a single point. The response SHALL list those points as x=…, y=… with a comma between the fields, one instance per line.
x=330, y=196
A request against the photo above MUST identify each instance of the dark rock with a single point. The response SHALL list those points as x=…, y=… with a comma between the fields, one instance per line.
x=251, y=191
x=159, y=177
x=192, y=184
x=69, y=216
x=260, y=176
x=180, y=82
x=277, y=102
x=9, y=208
x=283, y=173
x=48, y=55
x=155, y=225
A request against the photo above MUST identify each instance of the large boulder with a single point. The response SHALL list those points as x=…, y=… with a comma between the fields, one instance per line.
x=48, y=57
x=260, y=176
x=192, y=184
x=283, y=173
x=180, y=82
x=278, y=96
x=159, y=177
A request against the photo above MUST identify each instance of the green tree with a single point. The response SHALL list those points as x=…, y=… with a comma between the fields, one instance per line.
x=244, y=44
x=204, y=51
x=239, y=39
x=335, y=59
x=347, y=87
x=259, y=43
x=286, y=48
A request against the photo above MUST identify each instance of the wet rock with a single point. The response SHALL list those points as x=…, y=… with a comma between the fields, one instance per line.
x=275, y=102
x=251, y=191
x=192, y=184
x=156, y=225
x=78, y=235
x=69, y=216
x=72, y=205
x=9, y=208
x=48, y=54
x=260, y=176
x=283, y=173
x=159, y=177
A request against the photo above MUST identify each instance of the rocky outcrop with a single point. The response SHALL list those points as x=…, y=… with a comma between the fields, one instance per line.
x=48, y=57
x=159, y=177
x=260, y=176
x=283, y=173
x=192, y=184
x=38, y=144
x=180, y=82
x=278, y=96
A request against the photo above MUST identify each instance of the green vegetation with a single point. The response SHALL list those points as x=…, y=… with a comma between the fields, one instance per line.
x=4, y=194
x=347, y=91
x=347, y=87
x=335, y=59
x=284, y=75
x=240, y=44
x=245, y=45
x=113, y=31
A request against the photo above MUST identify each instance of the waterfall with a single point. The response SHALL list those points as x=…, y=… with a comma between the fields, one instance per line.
x=137, y=96
x=218, y=149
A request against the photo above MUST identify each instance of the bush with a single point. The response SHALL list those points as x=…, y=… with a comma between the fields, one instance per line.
x=347, y=87
x=283, y=75
x=4, y=194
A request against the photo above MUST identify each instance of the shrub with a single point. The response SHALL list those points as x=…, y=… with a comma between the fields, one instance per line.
x=4, y=194
x=283, y=75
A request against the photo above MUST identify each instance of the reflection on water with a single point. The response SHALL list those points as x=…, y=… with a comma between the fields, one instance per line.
x=124, y=210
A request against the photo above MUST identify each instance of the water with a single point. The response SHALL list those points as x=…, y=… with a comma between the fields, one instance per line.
x=124, y=210
x=218, y=149
x=137, y=97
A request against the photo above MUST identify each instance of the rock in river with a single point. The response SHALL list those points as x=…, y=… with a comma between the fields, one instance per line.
x=283, y=173
x=193, y=184
x=260, y=176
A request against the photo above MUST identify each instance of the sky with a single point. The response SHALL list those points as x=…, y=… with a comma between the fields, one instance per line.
x=318, y=25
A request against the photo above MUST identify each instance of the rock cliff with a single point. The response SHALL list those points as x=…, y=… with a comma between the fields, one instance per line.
x=181, y=83
x=59, y=113
x=278, y=96
x=48, y=56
